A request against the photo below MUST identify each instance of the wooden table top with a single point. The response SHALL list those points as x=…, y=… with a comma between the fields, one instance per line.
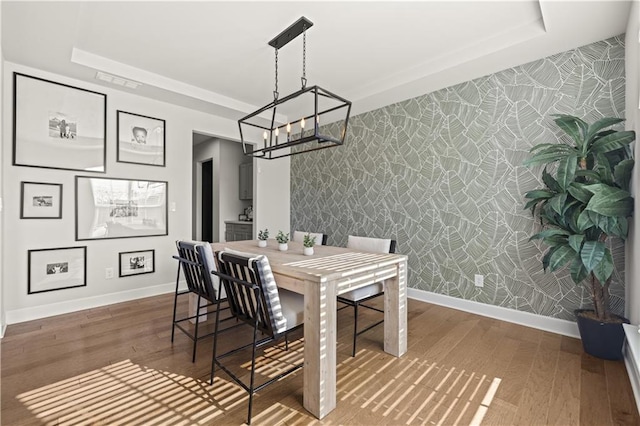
x=327, y=262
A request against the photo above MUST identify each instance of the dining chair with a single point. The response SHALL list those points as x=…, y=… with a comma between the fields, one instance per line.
x=195, y=262
x=356, y=297
x=255, y=301
x=299, y=236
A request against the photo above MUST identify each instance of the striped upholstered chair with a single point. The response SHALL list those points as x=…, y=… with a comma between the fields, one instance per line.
x=255, y=300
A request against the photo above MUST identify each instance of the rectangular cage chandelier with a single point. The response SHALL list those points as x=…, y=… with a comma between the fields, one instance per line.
x=321, y=116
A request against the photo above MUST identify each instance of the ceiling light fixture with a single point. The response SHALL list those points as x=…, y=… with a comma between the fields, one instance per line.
x=118, y=81
x=311, y=105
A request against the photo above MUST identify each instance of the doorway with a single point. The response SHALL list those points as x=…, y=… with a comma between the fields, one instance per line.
x=207, y=201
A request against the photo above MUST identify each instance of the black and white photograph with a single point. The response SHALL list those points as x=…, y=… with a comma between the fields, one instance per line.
x=58, y=126
x=40, y=200
x=137, y=262
x=120, y=208
x=141, y=139
x=56, y=269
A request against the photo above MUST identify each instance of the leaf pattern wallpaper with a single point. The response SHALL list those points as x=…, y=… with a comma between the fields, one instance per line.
x=442, y=174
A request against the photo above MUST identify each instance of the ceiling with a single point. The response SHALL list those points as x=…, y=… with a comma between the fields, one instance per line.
x=213, y=56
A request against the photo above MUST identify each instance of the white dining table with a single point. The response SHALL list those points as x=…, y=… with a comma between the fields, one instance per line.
x=331, y=271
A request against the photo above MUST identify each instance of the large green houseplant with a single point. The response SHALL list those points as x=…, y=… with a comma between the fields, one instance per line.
x=584, y=202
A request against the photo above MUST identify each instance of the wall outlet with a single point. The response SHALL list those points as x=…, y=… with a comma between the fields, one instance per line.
x=479, y=280
x=108, y=273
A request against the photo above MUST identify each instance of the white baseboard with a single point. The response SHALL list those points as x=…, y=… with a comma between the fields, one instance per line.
x=554, y=325
x=2, y=330
x=43, y=311
x=631, y=359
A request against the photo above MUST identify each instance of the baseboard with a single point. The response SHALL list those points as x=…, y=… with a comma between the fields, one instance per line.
x=554, y=325
x=43, y=311
x=2, y=330
x=631, y=358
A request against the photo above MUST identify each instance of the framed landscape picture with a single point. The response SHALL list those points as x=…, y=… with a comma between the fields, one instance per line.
x=141, y=139
x=56, y=269
x=40, y=200
x=58, y=126
x=137, y=262
x=120, y=208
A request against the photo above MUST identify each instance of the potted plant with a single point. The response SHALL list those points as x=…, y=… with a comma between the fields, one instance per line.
x=308, y=242
x=282, y=239
x=584, y=203
x=262, y=237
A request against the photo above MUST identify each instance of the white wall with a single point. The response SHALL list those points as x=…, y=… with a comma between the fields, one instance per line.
x=632, y=99
x=2, y=126
x=272, y=195
x=231, y=205
x=23, y=235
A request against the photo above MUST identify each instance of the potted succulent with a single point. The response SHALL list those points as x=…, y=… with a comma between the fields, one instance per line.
x=584, y=203
x=262, y=237
x=282, y=239
x=308, y=242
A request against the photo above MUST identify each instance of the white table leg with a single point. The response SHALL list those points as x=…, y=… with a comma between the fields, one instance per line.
x=395, y=312
x=319, y=348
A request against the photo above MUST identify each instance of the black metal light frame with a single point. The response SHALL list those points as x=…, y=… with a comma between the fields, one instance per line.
x=312, y=139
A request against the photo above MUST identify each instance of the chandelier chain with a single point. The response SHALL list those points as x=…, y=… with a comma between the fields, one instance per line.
x=275, y=92
x=304, y=57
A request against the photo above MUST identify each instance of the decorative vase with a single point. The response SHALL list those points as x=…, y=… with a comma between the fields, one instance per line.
x=283, y=247
x=262, y=243
x=602, y=340
x=308, y=251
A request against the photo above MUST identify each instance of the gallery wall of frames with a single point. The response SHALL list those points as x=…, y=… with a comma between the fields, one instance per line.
x=96, y=184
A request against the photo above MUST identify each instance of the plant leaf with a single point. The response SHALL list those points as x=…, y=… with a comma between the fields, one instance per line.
x=579, y=192
x=544, y=158
x=558, y=201
x=561, y=256
x=612, y=141
x=601, y=124
x=548, y=233
x=610, y=201
x=578, y=271
x=622, y=173
x=551, y=183
x=604, y=169
x=538, y=194
x=584, y=221
x=572, y=126
x=567, y=171
x=591, y=254
x=604, y=269
x=575, y=241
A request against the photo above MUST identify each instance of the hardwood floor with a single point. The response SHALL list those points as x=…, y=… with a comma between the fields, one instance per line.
x=115, y=365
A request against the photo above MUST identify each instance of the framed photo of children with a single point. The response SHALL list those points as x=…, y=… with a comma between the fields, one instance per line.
x=56, y=269
x=120, y=208
x=58, y=126
x=141, y=139
x=137, y=262
x=40, y=200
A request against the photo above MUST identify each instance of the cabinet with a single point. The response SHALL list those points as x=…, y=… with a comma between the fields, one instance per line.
x=246, y=181
x=235, y=231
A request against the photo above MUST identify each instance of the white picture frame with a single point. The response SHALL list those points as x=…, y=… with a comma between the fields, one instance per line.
x=40, y=200
x=58, y=126
x=136, y=262
x=141, y=139
x=56, y=269
x=108, y=208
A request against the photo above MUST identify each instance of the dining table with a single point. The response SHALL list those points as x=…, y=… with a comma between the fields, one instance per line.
x=321, y=277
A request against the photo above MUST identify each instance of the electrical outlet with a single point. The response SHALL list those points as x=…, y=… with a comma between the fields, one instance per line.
x=479, y=280
x=108, y=273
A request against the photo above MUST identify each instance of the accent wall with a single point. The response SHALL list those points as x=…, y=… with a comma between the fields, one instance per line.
x=442, y=174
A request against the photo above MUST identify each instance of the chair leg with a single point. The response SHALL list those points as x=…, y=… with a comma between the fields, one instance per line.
x=253, y=371
x=355, y=327
x=195, y=340
x=286, y=341
x=215, y=342
x=175, y=305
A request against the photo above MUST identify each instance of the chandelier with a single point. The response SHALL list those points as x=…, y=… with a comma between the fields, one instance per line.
x=321, y=116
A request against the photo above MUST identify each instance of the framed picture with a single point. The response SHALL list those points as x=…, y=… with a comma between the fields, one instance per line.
x=120, y=208
x=56, y=269
x=40, y=200
x=58, y=126
x=140, y=139
x=137, y=262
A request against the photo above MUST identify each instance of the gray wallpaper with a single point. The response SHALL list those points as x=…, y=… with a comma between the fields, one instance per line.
x=442, y=174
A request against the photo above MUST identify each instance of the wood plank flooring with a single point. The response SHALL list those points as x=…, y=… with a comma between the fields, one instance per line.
x=116, y=365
